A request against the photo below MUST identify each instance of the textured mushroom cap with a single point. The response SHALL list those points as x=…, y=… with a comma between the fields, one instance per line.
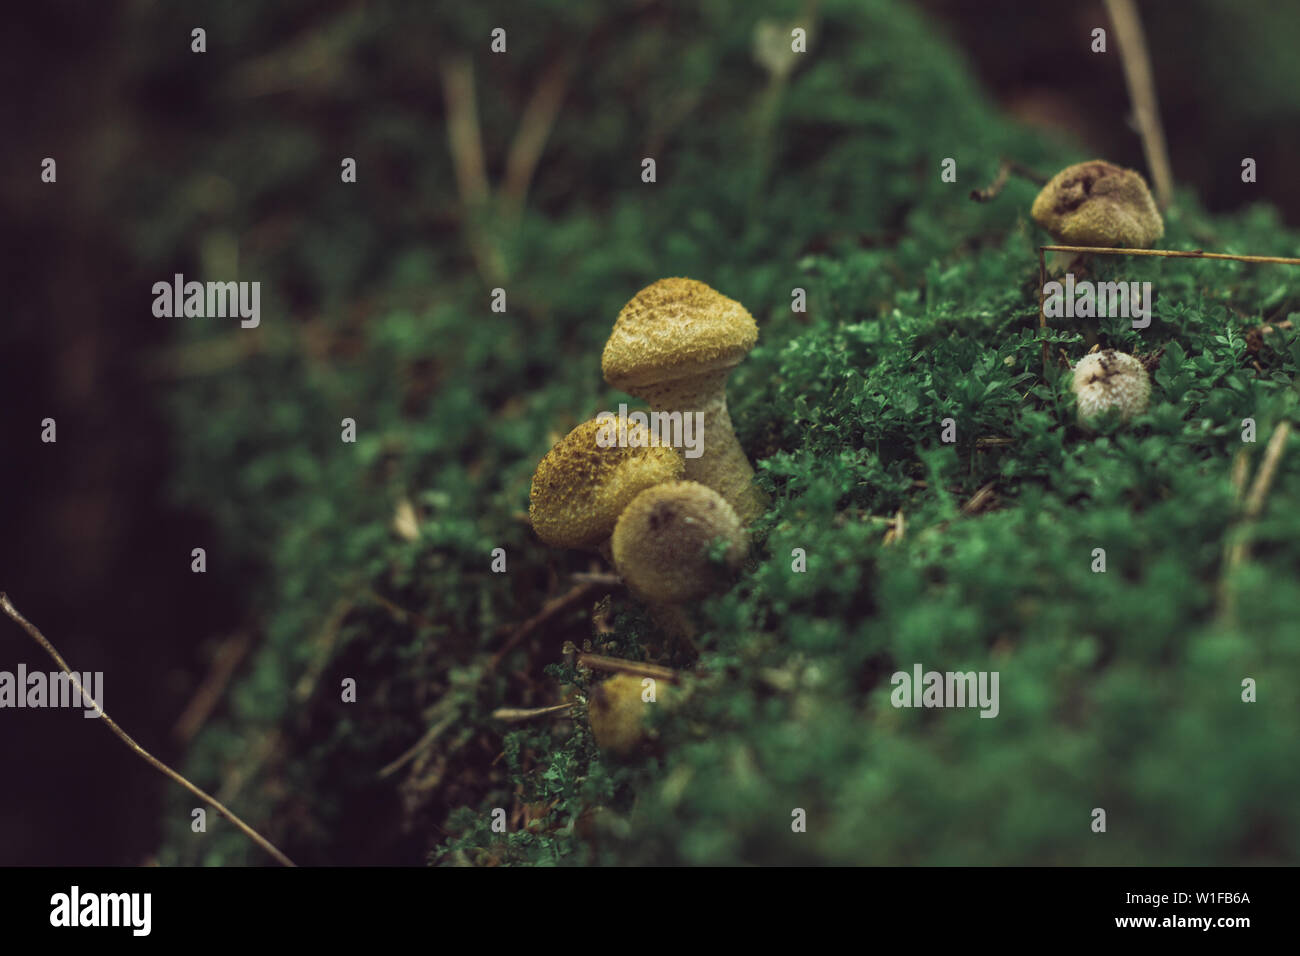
x=662, y=540
x=617, y=712
x=674, y=329
x=580, y=488
x=1110, y=379
x=1099, y=204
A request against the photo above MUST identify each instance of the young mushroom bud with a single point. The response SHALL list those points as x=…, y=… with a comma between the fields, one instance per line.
x=674, y=345
x=581, y=486
x=1110, y=380
x=618, y=709
x=663, y=540
x=1099, y=204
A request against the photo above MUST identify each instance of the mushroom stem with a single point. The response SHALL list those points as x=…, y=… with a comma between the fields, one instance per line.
x=723, y=465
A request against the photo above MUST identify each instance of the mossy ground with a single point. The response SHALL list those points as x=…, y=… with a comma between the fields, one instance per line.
x=1118, y=690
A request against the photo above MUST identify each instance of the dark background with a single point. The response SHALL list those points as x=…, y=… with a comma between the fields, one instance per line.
x=91, y=548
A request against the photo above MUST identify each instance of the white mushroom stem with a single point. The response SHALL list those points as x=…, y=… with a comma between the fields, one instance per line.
x=723, y=465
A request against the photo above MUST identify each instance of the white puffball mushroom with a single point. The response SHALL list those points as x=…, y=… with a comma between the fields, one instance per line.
x=1110, y=380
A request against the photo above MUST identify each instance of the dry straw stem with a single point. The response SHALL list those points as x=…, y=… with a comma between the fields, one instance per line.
x=534, y=130
x=224, y=664
x=574, y=597
x=1005, y=169
x=448, y=714
x=516, y=714
x=1240, y=469
x=1142, y=93
x=466, y=141
x=1111, y=251
x=463, y=130
x=1171, y=253
x=597, y=577
x=1237, y=547
x=983, y=497
x=897, y=528
x=599, y=662
x=1264, y=477
x=7, y=606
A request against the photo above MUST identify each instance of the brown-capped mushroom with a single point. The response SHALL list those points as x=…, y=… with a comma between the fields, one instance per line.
x=1099, y=204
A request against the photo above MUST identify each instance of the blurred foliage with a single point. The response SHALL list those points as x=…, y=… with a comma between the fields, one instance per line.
x=1119, y=690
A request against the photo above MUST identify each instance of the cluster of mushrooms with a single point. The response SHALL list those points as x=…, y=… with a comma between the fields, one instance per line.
x=1102, y=205
x=660, y=517
x=652, y=511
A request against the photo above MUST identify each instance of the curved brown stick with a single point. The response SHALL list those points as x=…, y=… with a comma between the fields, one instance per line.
x=7, y=606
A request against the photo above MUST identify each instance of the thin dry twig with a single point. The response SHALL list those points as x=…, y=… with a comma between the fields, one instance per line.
x=897, y=528
x=1171, y=253
x=209, y=692
x=599, y=662
x=534, y=130
x=1005, y=169
x=7, y=606
x=517, y=714
x=1136, y=61
x=1113, y=251
x=463, y=130
x=565, y=602
x=597, y=577
x=466, y=143
x=1237, y=547
x=421, y=782
x=430, y=737
x=270, y=747
x=978, y=500
x=1240, y=469
x=1267, y=471
x=1042, y=304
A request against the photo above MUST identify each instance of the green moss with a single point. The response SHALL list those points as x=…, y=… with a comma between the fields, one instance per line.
x=1119, y=690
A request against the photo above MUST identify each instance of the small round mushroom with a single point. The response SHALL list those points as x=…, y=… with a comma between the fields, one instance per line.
x=580, y=488
x=1099, y=204
x=674, y=345
x=663, y=538
x=617, y=711
x=1110, y=380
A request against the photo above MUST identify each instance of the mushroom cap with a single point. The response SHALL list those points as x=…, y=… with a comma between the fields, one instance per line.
x=580, y=488
x=662, y=540
x=617, y=713
x=675, y=329
x=1110, y=379
x=1099, y=204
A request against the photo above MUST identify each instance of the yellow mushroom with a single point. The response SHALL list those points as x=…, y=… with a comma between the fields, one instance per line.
x=674, y=345
x=617, y=710
x=580, y=488
x=663, y=539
